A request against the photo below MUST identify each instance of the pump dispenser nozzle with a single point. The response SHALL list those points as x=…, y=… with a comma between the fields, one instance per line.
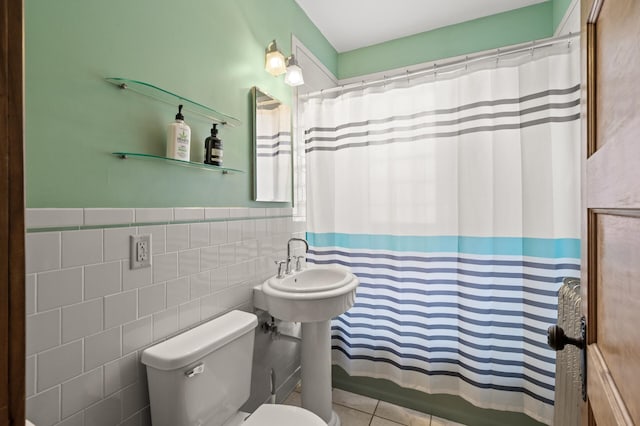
x=179, y=115
x=214, y=130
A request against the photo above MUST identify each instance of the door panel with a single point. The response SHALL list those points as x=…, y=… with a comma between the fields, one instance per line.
x=611, y=210
x=619, y=281
x=617, y=34
x=606, y=404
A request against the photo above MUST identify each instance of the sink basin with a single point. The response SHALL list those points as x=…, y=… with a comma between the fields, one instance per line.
x=313, y=294
x=312, y=280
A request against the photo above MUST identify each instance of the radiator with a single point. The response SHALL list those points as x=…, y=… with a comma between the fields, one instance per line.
x=568, y=389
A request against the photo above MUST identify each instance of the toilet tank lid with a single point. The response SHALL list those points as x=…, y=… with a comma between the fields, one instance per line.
x=187, y=347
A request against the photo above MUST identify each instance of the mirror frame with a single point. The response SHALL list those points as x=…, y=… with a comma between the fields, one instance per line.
x=254, y=136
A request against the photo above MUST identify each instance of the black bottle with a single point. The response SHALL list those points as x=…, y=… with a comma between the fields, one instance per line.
x=213, y=148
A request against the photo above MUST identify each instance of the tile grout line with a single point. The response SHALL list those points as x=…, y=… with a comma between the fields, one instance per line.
x=374, y=412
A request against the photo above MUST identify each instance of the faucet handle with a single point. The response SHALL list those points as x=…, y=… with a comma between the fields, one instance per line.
x=280, y=264
x=298, y=263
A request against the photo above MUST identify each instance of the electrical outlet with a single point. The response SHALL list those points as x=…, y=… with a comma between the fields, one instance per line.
x=140, y=246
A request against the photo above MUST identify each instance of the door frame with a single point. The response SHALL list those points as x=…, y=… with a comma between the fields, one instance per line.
x=12, y=230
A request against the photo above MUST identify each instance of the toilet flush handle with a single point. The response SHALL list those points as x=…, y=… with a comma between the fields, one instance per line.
x=198, y=369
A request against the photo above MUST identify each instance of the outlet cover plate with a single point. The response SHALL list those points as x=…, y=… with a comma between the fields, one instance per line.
x=140, y=251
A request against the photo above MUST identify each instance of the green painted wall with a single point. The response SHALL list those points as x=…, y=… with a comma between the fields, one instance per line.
x=504, y=29
x=440, y=405
x=211, y=51
x=559, y=9
x=208, y=50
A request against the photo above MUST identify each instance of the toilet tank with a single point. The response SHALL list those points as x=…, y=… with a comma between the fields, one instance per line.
x=202, y=376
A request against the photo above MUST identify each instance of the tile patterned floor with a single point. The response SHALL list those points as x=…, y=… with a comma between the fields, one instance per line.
x=358, y=410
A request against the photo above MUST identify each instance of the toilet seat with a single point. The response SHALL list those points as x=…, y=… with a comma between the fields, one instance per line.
x=283, y=415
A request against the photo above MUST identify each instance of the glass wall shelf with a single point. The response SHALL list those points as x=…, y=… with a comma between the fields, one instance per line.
x=165, y=96
x=224, y=170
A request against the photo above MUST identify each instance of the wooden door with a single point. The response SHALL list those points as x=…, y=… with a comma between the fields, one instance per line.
x=12, y=271
x=611, y=210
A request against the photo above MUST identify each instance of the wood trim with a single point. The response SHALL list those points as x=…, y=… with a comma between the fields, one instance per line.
x=12, y=231
x=591, y=88
x=591, y=418
x=590, y=10
x=4, y=221
x=592, y=278
x=17, y=270
x=620, y=212
x=604, y=396
x=594, y=12
x=585, y=5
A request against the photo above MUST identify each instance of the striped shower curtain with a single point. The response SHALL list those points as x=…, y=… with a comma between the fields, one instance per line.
x=455, y=199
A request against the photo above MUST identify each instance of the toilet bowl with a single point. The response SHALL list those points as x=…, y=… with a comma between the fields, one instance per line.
x=281, y=415
x=203, y=376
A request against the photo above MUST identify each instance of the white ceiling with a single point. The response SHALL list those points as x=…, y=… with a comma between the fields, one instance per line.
x=351, y=24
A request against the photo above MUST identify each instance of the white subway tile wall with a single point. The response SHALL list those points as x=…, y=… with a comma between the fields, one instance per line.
x=216, y=213
x=45, y=218
x=188, y=214
x=154, y=215
x=42, y=252
x=111, y=216
x=81, y=247
x=89, y=317
x=116, y=243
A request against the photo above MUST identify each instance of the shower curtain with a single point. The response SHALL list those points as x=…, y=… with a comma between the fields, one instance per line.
x=455, y=199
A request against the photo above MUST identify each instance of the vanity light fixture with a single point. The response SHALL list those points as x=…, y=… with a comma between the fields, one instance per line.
x=274, y=61
x=276, y=64
x=294, y=72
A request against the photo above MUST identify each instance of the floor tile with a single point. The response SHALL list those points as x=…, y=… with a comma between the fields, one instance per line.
x=437, y=421
x=402, y=415
x=355, y=401
x=294, y=398
x=379, y=421
x=351, y=417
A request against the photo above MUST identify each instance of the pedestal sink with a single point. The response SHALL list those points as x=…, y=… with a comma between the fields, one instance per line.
x=312, y=296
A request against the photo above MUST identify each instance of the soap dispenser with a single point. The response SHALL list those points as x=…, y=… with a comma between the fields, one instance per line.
x=213, y=148
x=178, y=138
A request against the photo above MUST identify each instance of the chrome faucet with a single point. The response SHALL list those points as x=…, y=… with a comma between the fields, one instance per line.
x=290, y=259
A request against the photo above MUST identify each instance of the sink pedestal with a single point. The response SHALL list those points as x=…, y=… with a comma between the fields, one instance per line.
x=312, y=297
x=316, y=370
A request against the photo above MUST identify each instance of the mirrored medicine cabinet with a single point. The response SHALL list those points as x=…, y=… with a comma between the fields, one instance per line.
x=272, y=148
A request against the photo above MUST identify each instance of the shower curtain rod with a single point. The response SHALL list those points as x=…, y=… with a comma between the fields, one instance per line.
x=446, y=65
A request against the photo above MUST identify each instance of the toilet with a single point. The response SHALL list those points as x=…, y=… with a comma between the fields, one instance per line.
x=203, y=376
